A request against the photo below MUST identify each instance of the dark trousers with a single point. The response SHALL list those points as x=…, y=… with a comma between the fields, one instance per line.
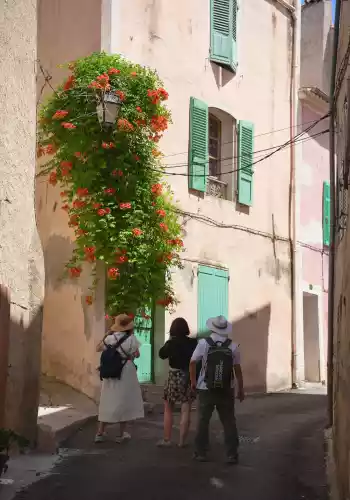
x=224, y=402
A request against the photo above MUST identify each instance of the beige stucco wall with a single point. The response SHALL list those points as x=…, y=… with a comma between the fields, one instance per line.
x=66, y=30
x=21, y=264
x=174, y=39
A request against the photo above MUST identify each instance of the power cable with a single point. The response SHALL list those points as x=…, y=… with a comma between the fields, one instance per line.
x=246, y=167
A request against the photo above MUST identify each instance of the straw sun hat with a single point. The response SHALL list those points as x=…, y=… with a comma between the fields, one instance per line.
x=122, y=323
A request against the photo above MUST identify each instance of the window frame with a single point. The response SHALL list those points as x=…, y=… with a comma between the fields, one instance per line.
x=218, y=139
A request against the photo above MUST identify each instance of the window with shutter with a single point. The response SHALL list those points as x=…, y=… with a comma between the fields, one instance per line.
x=212, y=295
x=198, y=150
x=326, y=213
x=223, y=43
x=245, y=172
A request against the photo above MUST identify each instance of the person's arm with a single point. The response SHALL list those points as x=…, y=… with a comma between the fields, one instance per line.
x=164, y=351
x=240, y=384
x=101, y=345
x=196, y=356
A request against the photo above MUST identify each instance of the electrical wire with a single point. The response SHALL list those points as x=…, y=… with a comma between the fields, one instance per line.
x=258, y=135
x=246, y=167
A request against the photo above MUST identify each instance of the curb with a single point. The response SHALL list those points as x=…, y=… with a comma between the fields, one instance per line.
x=50, y=439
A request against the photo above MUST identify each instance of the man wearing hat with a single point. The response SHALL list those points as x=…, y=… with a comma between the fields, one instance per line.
x=220, y=359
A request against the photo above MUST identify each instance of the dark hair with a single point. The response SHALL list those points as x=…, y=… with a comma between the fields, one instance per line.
x=179, y=328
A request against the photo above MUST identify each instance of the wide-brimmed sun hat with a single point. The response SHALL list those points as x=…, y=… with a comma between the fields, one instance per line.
x=219, y=325
x=122, y=323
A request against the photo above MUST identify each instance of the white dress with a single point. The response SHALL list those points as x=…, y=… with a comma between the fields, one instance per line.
x=121, y=400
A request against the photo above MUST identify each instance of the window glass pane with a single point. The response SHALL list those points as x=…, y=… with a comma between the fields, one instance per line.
x=214, y=127
x=214, y=148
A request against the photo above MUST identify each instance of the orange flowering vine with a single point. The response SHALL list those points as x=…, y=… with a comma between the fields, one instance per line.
x=110, y=183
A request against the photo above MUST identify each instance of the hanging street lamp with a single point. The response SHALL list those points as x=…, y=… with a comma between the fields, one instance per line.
x=108, y=109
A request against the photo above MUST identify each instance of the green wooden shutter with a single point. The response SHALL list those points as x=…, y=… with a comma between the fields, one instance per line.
x=245, y=162
x=326, y=213
x=223, y=23
x=198, y=151
x=212, y=295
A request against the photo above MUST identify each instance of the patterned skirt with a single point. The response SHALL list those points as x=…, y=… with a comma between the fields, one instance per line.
x=177, y=388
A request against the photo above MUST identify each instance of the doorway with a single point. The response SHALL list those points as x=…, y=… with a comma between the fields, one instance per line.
x=311, y=337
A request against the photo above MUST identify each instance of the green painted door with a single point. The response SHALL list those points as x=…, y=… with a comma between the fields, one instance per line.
x=212, y=295
x=143, y=332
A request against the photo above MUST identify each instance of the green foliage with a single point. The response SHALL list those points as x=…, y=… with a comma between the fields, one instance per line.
x=112, y=188
x=8, y=438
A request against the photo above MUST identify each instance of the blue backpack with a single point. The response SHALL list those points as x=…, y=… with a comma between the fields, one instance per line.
x=112, y=362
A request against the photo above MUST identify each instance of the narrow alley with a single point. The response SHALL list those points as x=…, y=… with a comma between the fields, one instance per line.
x=282, y=457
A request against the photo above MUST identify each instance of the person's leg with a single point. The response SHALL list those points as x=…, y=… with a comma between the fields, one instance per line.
x=168, y=424
x=226, y=410
x=123, y=435
x=184, y=422
x=206, y=408
x=100, y=432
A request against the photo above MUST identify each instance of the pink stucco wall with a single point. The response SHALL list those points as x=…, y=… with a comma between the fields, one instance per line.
x=314, y=171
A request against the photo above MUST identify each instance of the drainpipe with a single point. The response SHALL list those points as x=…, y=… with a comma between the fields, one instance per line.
x=331, y=280
x=293, y=99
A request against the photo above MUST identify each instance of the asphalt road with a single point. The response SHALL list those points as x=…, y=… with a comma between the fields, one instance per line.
x=281, y=458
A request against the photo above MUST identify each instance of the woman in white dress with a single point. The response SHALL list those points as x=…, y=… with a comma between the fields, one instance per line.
x=121, y=400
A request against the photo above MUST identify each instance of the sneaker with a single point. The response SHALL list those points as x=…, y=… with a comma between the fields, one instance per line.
x=232, y=460
x=200, y=458
x=100, y=438
x=163, y=443
x=125, y=437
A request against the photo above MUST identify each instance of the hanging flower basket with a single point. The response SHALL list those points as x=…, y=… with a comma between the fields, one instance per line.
x=111, y=181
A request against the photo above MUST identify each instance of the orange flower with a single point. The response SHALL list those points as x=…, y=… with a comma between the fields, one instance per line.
x=68, y=125
x=157, y=189
x=63, y=194
x=163, y=94
x=90, y=254
x=133, y=74
x=120, y=94
x=108, y=145
x=159, y=123
x=53, y=178
x=140, y=123
x=113, y=71
x=69, y=83
x=113, y=273
x=78, y=204
x=75, y=272
x=136, y=231
x=125, y=206
x=139, y=109
x=50, y=149
x=81, y=232
x=89, y=300
x=96, y=205
x=82, y=192
x=107, y=210
x=156, y=153
x=163, y=226
x=117, y=173
x=161, y=213
x=65, y=207
x=122, y=259
x=154, y=97
x=124, y=125
x=60, y=114
x=101, y=212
